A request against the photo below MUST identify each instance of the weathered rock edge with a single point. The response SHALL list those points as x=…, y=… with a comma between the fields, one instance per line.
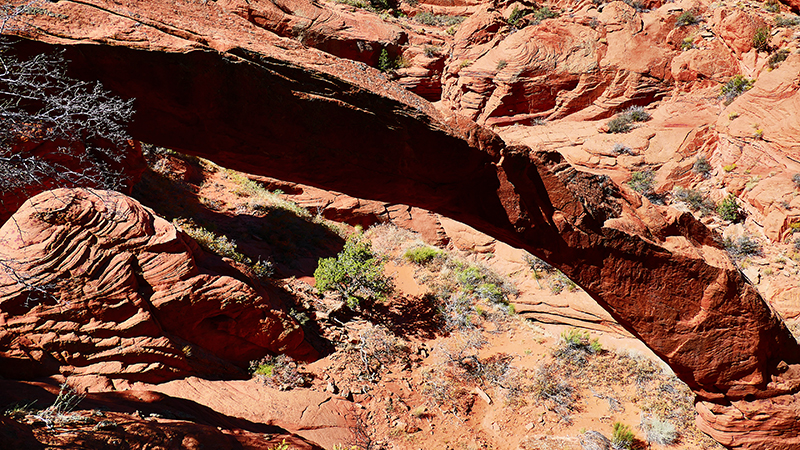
x=249, y=100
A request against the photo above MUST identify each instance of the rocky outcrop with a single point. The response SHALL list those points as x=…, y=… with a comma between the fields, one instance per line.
x=92, y=284
x=551, y=69
x=346, y=32
x=241, y=96
x=136, y=420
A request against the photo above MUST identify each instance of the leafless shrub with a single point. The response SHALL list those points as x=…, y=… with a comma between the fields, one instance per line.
x=377, y=348
x=41, y=104
x=559, y=396
x=59, y=412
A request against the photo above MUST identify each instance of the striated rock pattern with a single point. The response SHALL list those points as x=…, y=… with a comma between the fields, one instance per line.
x=239, y=95
x=346, y=32
x=93, y=284
x=555, y=68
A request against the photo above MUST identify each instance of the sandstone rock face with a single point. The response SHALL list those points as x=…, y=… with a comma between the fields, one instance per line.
x=549, y=70
x=347, y=33
x=269, y=106
x=94, y=284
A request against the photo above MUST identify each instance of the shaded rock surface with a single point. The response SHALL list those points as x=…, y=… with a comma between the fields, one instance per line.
x=94, y=284
x=135, y=419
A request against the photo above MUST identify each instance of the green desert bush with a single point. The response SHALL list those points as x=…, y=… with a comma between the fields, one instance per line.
x=729, y=209
x=686, y=18
x=735, y=87
x=279, y=371
x=517, y=14
x=701, y=166
x=622, y=437
x=761, y=39
x=694, y=199
x=545, y=13
x=384, y=62
x=777, y=58
x=642, y=181
x=560, y=282
x=742, y=246
x=575, y=346
x=619, y=124
x=622, y=123
x=421, y=254
x=221, y=245
x=356, y=273
x=773, y=6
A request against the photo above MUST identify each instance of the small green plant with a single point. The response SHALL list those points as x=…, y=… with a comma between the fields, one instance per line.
x=223, y=246
x=701, y=166
x=575, y=347
x=729, y=168
x=465, y=63
x=432, y=51
x=544, y=13
x=796, y=180
x=733, y=116
x=517, y=15
x=761, y=39
x=735, y=87
x=686, y=18
x=281, y=372
x=688, y=43
x=694, y=199
x=578, y=339
x=401, y=62
x=619, y=124
x=773, y=6
x=560, y=282
x=728, y=209
x=282, y=446
x=622, y=122
x=622, y=437
x=421, y=255
x=384, y=63
x=355, y=273
x=501, y=64
x=642, y=181
x=742, y=246
x=753, y=182
x=777, y=58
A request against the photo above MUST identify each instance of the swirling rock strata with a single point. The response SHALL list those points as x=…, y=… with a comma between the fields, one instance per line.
x=92, y=283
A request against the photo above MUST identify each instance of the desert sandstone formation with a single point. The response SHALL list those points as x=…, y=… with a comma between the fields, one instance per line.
x=212, y=83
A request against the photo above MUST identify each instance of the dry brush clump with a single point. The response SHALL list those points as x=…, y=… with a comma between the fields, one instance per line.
x=280, y=372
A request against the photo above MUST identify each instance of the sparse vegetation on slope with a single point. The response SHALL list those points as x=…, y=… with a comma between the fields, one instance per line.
x=356, y=273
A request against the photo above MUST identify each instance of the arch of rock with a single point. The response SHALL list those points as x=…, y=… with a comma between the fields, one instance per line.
x=213, y=84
